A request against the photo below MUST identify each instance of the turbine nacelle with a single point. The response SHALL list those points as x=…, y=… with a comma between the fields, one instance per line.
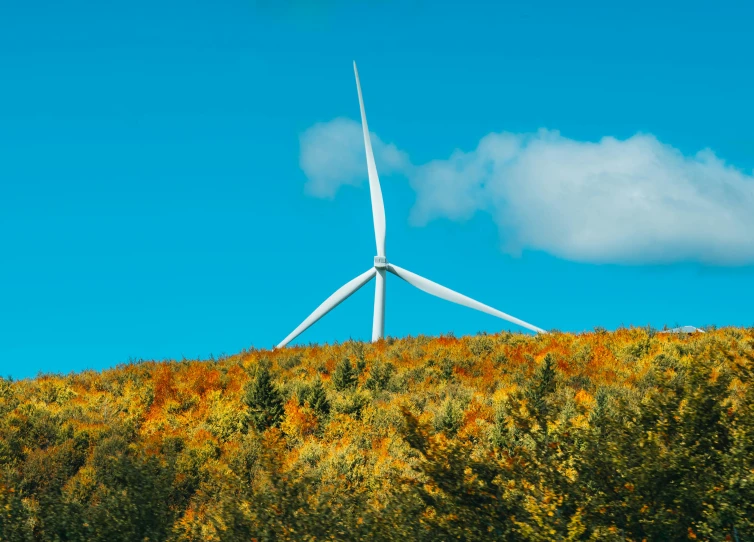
x=381, y=265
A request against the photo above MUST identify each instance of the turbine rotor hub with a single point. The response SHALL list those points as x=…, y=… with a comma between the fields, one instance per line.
x=380, y=262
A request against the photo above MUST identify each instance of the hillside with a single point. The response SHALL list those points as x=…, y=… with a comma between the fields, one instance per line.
x=626, y=435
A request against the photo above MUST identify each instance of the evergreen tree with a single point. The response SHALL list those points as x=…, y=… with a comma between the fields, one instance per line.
x=345, y=376
x=450, y=418
x=542, y=386
x=264, y=401
x=379, y=376
x=317, y=399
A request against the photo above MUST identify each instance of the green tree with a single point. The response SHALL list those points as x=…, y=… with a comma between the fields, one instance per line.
x=264, y=401
x=317, y=399
x=538, y=392
x=345, y=376
x=449, y=419
x=379, y=376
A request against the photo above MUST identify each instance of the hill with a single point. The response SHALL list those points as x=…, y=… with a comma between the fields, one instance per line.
x=625, y=435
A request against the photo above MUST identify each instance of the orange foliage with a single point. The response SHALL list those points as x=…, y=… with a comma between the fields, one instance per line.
x=164, y=388
x=359, y=436
x=299, y=421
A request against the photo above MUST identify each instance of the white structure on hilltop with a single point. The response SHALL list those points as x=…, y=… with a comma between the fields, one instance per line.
x=381, y=265
x=683, y=329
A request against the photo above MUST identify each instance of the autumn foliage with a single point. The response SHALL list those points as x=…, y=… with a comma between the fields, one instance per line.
x=625, y=435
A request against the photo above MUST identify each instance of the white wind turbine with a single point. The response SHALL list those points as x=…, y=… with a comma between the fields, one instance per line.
x=381, y=264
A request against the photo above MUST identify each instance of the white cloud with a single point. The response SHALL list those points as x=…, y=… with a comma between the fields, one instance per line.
x=332, y=155
x=632, y=201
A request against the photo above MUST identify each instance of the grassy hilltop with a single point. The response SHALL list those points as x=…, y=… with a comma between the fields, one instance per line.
x=626, y=435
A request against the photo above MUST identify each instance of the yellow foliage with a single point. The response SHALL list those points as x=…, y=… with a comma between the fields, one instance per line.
x=474, y=393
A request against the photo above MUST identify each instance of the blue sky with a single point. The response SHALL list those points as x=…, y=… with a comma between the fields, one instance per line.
x=153, y=203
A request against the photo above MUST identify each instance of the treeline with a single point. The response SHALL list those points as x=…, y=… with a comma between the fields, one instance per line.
x=630, y=435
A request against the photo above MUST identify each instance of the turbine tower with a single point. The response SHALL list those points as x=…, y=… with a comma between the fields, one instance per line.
x=381, y=265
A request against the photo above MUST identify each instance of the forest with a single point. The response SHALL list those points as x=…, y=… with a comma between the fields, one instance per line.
x=628, y=435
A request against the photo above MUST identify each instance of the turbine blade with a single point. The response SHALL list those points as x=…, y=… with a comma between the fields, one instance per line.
x=343, y=293
x=378, y=207
x=449, y=295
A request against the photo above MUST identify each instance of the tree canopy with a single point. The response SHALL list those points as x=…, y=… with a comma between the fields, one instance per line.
x=625, y=435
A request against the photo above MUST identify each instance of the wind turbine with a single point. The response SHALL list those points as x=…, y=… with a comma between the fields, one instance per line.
x=381, y=265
